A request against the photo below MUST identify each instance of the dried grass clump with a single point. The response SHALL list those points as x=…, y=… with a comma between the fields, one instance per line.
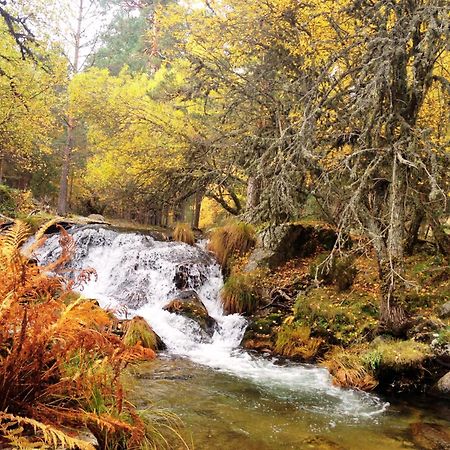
x=138, y=331
x=234, y=239
x=183, y=233
x=239, y=294
x=348, y=370
x=60, y=366
x=397, y=355
x=295, y=341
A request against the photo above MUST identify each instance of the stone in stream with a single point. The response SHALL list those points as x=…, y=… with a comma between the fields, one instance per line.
x=442, y=387
x=430, y=436
x=186, y=278
x=188, y=304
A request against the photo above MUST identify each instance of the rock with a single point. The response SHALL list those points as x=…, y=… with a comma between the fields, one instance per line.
x=188, y=304
x=444, y=311
x=96, y=218
x=430, y=436
x=276, y=245
x=186, y=277
x=442, y=387
x=424, y=329
x=137, y=330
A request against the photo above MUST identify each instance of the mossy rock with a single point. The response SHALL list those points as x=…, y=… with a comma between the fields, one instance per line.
x=189, y=305
x=138, y=331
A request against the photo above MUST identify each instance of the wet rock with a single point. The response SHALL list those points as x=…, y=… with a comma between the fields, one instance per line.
x=444, y=311
x=442, y=387
x=188, y=277
x=188, y=304
x=276, y=245
x=430, y=436
x=96, y=217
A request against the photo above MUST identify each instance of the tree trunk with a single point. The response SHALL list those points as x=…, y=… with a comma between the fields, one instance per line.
x=197, y=209
x=67, y=157
x=253, y=193
x=393, y=317
x=179, y=211
x=441, y=238
x=413, y=234
x=64, y=183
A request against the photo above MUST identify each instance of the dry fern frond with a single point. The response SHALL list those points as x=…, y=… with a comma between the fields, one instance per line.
x=49, y=434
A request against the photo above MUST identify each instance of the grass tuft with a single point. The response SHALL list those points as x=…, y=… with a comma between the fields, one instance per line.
x=239, y=294
x=183, y=233
x=234, y=239
x=348, y=369
x=138, y=331
x=295, y=341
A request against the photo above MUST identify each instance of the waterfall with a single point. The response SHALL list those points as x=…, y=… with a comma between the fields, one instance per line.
x=136, y=275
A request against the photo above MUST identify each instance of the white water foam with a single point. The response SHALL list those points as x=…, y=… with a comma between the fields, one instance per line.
x=137, y=272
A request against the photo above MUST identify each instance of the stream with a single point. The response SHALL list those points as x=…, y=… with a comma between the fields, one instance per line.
x=227, y=397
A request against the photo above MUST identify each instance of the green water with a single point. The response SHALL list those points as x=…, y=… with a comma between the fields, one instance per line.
x=222, y=411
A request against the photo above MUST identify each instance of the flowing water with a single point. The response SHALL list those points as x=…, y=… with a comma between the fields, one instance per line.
x=233, y=399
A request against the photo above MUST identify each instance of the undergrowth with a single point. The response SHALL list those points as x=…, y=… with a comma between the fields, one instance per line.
x=60, y=366
x=183, y=233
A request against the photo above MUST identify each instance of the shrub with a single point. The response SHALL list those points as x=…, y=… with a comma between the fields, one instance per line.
x=295, y=341
x=183, y=233
x=8, y=204
x=13, y=201
x=60, y=366
x=348, y=370
x=239, y=294
x=234, y=239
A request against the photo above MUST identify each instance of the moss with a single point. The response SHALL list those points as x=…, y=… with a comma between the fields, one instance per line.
x=295, y=341
x=240, y=294
x=340, y=319
x=443, y=337
x=138, y=331
x=183, y=233
x=396, y=355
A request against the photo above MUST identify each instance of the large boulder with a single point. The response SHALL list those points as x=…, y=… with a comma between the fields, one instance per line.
x=277, y=245
x=188, y=304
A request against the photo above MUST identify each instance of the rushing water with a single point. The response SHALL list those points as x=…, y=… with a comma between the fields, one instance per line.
x=136, y=276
